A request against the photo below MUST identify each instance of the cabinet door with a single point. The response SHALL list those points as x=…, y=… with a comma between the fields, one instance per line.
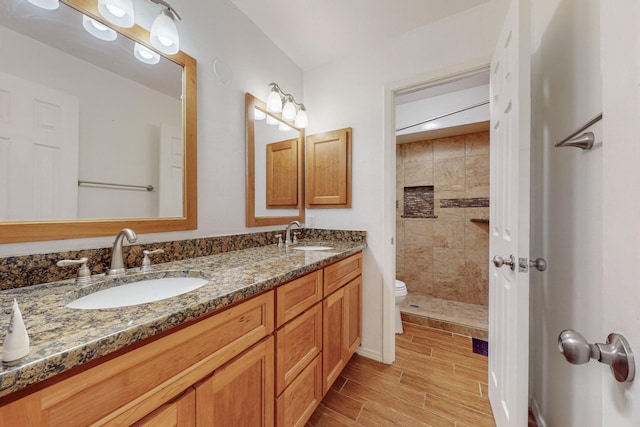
x=240, y=393
x=334, y=356
x=328, y=169
x=353, y=305
x=179, y=413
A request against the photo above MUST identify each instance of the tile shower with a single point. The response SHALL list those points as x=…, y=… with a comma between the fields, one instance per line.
x=442, y=229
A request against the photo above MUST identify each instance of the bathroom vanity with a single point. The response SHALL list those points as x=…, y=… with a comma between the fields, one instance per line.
x=260, y=344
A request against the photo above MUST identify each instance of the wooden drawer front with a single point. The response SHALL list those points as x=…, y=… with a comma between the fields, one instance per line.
x=302, y=397
x=163, y=367
x=181, y=412
x=342, y=272
x=241, y=392
x=297, y=343
x=296, y=296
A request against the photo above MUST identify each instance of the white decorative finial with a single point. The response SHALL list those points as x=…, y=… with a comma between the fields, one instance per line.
x=16, y=343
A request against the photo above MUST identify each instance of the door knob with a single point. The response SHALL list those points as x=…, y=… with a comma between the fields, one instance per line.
x=616, y=353
x=498, y=261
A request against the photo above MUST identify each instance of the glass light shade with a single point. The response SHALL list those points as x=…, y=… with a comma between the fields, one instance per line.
x=118, y=12
x=274, y=102
x=272, y=120
x=46, y=4
x=144, y=54
x=164, y=33
x=98, y=30
x=259, y=114
x=289, y=110
x=302, y=121
x=283, y=127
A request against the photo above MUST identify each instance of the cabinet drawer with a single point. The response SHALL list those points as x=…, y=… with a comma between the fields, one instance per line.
x=296, y=296
x=297, y=343
x=301, y=398
x=342, y=272
x=130, y=386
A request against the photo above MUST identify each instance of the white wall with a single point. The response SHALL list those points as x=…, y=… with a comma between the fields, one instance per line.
x=209, y=30
x=567, y=216
x=351, y=93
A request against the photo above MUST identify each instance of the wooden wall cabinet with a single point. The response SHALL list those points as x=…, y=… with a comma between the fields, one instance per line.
x=282, y=174
x=328, y=169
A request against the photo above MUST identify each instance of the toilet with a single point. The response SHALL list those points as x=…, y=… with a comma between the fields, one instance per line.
x=401, y=295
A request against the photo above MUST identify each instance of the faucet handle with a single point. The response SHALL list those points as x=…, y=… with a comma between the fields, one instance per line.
x=84, y=274
x=295, y=238
x=146, y=263
x=279, y=236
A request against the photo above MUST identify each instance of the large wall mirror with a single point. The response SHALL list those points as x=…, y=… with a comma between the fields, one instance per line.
x=92, y=139
x=275, y=167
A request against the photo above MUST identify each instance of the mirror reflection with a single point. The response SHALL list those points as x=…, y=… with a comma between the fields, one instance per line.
x=275, y=153
x=86, y=129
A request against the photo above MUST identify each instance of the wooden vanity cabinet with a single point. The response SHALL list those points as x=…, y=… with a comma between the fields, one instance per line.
x=180, y=412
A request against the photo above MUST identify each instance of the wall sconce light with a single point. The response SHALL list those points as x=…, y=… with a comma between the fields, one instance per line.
x=98, y=29
x=164, y=33
x=46, y=4
x=291, y=110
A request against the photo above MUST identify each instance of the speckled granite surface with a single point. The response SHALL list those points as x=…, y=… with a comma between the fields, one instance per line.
x=62, y=338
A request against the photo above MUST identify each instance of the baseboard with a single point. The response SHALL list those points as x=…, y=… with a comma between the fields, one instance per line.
x=535, y=409
x=370, y=354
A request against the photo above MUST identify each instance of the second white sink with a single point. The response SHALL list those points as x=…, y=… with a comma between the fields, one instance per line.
x=140, y=292
x=312, y=248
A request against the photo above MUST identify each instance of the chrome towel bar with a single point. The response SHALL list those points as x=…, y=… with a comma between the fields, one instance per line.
x=584, y=141
x=109, y=184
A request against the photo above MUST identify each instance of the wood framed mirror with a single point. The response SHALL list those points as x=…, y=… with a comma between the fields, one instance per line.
x=181, y=142
x=274, y=167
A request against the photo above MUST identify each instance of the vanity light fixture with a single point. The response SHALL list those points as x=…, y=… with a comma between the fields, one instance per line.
x=283, y=127
x=144, y=54
x=291, y=110
x=46, y=4
x=98, y=29
x=164, y=33
x=118, y=12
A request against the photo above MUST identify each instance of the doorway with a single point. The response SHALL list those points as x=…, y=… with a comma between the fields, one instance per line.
x=442, y=202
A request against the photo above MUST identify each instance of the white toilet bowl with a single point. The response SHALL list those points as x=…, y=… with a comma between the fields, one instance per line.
x=401, y=295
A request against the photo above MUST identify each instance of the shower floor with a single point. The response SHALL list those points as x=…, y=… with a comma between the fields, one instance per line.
x=457, y=317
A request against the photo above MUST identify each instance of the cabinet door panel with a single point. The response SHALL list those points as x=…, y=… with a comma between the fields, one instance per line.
x=353, y=304
x=333, y=360
x=328, y=169
x=240, y=393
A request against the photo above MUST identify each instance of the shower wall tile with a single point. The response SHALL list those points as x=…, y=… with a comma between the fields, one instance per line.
x=418, y=232
x=446, y=148
x=417, y=151
x=448, y=234
x=418, y=173
x=447, y=256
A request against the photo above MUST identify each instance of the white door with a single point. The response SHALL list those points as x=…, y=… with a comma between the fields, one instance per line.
x=38, y=151
x=171, y=171
x=620, y=46
x=509, y=214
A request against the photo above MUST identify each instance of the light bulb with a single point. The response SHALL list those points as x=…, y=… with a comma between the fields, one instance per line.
x=118, y=12
x=289, y=110
x=272, y=120
x=164, y=33
x=46, y=4
x=144, y=54
x=98, y=30
x=259, y=114
x=274, y=102
x=302, y=121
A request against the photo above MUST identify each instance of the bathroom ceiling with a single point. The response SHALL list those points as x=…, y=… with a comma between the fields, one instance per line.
x=316, y=32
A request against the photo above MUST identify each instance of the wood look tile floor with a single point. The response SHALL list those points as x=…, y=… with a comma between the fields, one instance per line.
x=436, y=380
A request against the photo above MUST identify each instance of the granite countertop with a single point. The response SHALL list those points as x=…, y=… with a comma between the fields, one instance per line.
x=63, y=338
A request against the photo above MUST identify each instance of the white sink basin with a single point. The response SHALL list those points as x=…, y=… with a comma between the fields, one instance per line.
x=140, y=292
x=312, y=248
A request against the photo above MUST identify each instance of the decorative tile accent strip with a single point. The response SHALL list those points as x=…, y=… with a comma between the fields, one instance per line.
x=478, y=202
x=418, y=202
x=28, y=270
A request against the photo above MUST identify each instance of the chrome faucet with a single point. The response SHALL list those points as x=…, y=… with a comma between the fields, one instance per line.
x=117, y=262
x=287, y=240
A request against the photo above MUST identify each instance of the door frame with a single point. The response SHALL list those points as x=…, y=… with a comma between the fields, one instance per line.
x=427, y=79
